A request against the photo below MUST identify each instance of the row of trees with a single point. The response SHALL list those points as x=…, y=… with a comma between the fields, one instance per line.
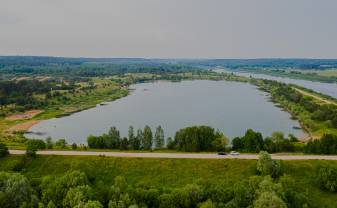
x=190, y=139
x=142, y=140
x=195, y=139
x=254, y=142
x=75, y=189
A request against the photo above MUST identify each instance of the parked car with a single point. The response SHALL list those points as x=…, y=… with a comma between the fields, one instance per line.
x=222, y=153
x=234, y=153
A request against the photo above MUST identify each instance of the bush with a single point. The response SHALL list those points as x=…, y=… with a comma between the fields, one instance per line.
x=326, y=145
x=16, y=191
x=267, y=166
x=61, y=143
x=49, y=143
x=3, y=150
x=31, y=152
x=74, y=146
x=36, y=144
x=327, y=178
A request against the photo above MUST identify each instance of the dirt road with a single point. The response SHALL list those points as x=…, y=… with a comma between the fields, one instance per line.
x=177, y=155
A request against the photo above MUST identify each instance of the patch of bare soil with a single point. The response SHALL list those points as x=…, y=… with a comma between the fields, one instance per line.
x=22, y=126
x=26, y=115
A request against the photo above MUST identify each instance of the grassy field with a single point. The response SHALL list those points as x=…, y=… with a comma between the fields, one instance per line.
x=167, y=173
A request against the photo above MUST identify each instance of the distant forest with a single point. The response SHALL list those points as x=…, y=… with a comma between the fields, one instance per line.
x=87, y=67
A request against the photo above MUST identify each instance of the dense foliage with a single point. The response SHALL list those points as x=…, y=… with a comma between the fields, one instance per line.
x=75, y=188
x=326, y=145
x=196, y=139
x=253, y=142
x=327, y=178
x=143, y=140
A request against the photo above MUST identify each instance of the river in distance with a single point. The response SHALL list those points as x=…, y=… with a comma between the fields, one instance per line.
x=321, y=87
x=231, y=107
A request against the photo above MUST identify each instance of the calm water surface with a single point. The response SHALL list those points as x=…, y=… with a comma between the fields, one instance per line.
x=231, y=107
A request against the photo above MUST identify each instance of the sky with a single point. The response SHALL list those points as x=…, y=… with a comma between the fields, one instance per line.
x=169, y=28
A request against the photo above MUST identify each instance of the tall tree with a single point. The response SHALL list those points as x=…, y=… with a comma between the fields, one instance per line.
x=131, y=137
x=159, y=137
x=140, y=139
x=115, y=137
x=147, y=138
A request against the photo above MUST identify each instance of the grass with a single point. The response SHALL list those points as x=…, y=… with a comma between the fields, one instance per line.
x=167, y=173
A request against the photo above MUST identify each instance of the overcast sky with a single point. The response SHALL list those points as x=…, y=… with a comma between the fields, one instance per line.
x=169, y=28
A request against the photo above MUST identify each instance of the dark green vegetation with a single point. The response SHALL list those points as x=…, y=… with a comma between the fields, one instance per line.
x=195, y=139
x=326, y=145
x=317, y=117
x=66, y=181
x=254, y=142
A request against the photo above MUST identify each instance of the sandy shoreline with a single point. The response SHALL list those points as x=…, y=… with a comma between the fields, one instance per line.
x=23, y=127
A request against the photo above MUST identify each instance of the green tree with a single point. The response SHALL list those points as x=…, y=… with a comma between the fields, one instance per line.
x=237, y=144
x=3, y=150
x=49, y=143
x=267, y=166
x=90, y=204
x=252, y=141
x=147, y=138
x=124, y=145
x=207, y=204
x=51, y=205
x=170, y=143
x=61, y=143
x=140, y=138
x=270, y=200
x=74, y=146
x=220, y=143
x=327, y=178
x=37, y=144
x=15, y=191
x=115, y=138
x=78, y=195
x=55, y=188
x=31, y=151
x=132, y=138
x=159, y=138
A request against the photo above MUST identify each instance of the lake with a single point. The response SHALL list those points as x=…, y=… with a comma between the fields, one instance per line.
x=231, y=107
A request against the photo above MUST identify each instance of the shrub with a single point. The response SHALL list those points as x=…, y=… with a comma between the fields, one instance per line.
x=61, y=143
x=31, y=151
x=3, y=150
x=49, y=143
x=36, y=144
x=268, y=166
x=74, y=146
x=327, y=178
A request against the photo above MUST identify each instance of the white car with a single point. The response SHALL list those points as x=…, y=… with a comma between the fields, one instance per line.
x=234, y=153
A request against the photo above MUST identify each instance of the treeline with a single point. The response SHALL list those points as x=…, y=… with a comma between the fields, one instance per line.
x=268, y=188
x=190, y=139
x=142, y=140
x=194, y=139
x=253, y=142
x=84, y=68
